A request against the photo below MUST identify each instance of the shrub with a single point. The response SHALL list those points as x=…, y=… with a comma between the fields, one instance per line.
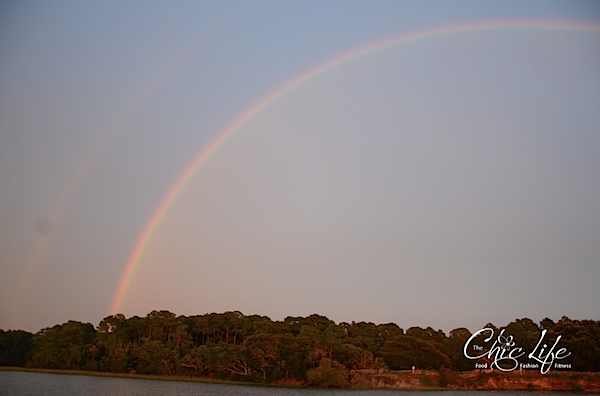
x=329, y=374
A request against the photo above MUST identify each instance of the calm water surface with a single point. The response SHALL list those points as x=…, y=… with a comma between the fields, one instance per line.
x=15, y=383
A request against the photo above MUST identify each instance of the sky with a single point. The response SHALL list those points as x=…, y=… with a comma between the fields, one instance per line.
x=427, y=163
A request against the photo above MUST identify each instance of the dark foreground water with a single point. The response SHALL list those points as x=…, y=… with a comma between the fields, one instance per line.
x=16, y=383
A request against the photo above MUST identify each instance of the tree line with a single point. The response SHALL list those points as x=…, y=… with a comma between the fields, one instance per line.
x=313, y=350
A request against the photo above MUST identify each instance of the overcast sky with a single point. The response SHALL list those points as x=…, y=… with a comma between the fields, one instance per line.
x=449, y=181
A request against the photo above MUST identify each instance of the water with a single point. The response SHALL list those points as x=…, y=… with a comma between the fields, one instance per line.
x=16, y=383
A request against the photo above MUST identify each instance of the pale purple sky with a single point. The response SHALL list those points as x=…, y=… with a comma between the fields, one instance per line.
x=446, y=182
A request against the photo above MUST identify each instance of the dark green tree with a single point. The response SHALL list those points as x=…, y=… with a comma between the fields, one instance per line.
x=435, y=337
x=353, y=357
x=404, y=352
x=582, y=339
x=525, y=332
x=114, y=340
x=453, y=348
x=153, y=357
x=15, y=347
x=66, y=346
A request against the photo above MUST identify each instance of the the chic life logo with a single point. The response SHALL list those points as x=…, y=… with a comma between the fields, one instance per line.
x=504, y=354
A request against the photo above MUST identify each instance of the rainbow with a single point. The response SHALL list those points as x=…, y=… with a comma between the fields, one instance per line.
x=286, y=88
x=43, y=247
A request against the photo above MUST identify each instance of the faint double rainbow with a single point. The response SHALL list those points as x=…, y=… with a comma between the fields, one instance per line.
x=45, y=244
x=262, y=104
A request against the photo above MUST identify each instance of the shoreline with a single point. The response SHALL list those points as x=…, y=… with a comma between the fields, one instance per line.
x=145, y=377
x=420, y=380
x=488, y=380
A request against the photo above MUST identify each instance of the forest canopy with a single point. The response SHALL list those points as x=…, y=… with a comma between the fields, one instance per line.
x=313, y=350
